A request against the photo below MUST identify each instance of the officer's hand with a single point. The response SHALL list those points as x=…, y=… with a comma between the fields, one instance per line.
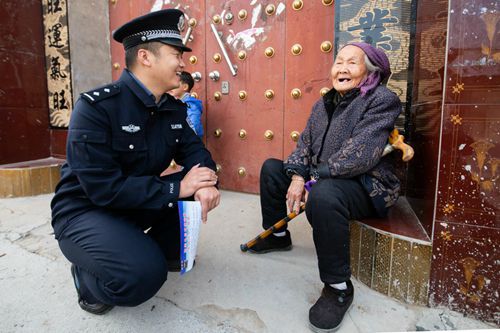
x=195, y=179
x=209, y=197
x=295, y=194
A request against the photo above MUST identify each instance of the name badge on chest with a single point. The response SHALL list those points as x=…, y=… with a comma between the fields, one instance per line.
x=176, y=126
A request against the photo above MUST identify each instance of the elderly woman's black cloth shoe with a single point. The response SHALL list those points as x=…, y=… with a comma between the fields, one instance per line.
x=327, y=313
x=273, y=243
x=92, y=307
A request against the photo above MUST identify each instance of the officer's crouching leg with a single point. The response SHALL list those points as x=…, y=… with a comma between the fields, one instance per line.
x=118, y=264
x=132, y=285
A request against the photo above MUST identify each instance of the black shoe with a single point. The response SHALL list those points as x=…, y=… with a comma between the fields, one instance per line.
x=327, y=313
x=94, y=308
x=273, y=243
x=175, y=265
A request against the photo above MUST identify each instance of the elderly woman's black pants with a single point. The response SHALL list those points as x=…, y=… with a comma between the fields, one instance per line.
x=331, y=204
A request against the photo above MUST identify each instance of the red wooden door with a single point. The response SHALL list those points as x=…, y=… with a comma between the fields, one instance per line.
x=258, y=78
x=245, y=127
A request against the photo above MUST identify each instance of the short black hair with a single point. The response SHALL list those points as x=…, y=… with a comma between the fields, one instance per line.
x=131, y=53
x=187, y=79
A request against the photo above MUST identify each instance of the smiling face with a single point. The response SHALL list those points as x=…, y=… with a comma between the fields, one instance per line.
x=349, y=69
x=167, y=65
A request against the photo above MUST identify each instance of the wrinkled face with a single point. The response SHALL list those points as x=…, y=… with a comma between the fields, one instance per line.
x=349, y=69
x=167, y=66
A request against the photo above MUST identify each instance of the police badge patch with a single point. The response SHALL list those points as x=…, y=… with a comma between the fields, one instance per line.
x=131, y=128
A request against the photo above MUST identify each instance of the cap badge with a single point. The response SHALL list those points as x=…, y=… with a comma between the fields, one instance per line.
x=180, y=25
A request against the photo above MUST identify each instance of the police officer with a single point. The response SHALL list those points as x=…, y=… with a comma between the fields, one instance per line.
x=115, y=218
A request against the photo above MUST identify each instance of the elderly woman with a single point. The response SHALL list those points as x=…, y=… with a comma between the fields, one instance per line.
x=339, y=158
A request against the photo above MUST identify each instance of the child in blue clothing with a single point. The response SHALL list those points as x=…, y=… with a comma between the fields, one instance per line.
x=194, y=105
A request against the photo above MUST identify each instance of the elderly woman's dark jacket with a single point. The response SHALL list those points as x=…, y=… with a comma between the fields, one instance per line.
x=345, y=137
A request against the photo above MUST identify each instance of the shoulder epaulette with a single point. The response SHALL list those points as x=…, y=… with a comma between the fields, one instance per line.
x=101, y=93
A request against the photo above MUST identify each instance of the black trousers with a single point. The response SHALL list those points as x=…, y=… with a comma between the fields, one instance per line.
x=331, y=204
x=118, y=263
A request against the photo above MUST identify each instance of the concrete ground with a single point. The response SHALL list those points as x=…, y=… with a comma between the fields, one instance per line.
x=227, y=291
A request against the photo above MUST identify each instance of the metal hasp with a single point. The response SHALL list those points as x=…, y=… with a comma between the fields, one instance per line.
x=223, y=49
x=188, y=34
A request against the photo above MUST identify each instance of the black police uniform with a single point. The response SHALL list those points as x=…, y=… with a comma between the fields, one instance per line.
x=113, y=215
x=119, y=141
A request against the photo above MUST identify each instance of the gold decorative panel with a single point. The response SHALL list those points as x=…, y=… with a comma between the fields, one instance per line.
x=354, y=248
x=57, y=57
x=400, y=270
x=382, y=266
x=367, y=253
x=394, y=265
x=420, y=269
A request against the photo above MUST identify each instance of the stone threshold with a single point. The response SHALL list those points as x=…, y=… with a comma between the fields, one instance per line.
x=28, y=178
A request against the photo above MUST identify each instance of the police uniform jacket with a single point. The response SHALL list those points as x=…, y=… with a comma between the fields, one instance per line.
x=119, y=141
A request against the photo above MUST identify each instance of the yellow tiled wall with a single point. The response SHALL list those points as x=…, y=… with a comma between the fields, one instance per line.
x=398, y=267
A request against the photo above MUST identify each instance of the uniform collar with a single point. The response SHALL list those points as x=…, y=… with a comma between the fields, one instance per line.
x=140, y=90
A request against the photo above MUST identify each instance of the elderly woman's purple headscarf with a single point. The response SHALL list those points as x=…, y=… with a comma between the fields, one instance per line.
x=379, y=59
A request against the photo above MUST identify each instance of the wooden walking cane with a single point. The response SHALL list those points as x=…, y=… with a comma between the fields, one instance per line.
x=273, y=228
x=396, y=141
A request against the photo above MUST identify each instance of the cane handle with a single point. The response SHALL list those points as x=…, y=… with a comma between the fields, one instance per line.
x=407, y=150
x=396, y=141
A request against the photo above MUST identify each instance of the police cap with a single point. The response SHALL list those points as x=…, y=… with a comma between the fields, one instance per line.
x=161, y=26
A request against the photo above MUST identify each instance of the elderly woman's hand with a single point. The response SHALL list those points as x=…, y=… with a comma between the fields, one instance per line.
x=295, y=193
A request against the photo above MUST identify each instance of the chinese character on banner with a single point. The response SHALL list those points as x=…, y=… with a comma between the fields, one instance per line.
x=59, y=100
x=55, y=36
x=372, y=27
x=53, y=6
x=55, y=69
x=58, y=64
